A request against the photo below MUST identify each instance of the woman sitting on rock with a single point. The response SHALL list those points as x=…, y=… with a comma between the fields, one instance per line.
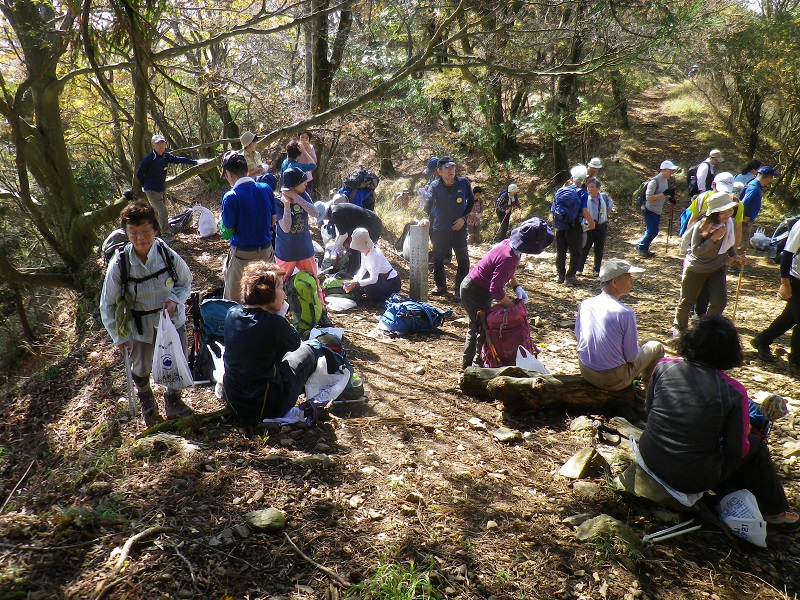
x=697, y=436
x=266, y=365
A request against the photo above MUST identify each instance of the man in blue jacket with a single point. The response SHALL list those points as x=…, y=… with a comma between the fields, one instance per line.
x=152, y=175
x=450, y=202
x=248, y=209
x=752, y=197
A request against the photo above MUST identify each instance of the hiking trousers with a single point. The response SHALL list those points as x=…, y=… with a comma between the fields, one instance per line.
x=568, y=240
x=788, y=319
x=158, y=201
x=692, y=284
x=235, y=263
x=444, y=242
x=474, y=298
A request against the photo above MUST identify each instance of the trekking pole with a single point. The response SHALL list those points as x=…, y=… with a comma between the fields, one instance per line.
x=492, y=350
x=738, y=285
x=669, y=227
x=133, y=409
x=506, y=216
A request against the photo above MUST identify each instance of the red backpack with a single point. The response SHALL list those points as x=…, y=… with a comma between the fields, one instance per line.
x=507, y=329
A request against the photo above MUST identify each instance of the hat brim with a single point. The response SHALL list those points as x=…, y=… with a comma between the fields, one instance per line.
x=722, y=208
x=447, y=164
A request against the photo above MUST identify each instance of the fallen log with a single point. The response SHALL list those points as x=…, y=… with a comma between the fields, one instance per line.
x=521, y=390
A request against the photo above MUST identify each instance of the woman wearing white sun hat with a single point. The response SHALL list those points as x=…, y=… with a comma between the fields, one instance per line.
x=507, y=201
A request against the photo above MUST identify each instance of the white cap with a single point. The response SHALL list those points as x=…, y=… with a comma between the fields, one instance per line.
x=668, y=164
x=723, y=182
x=595, y=163
x=512, y=188
x=615, y=267
x=158, y=138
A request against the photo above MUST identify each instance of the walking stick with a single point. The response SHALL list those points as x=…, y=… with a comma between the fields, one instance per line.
x=738, y=285
x=669, y=227
x=492, y=350
x=506, y=216
x=133, y=409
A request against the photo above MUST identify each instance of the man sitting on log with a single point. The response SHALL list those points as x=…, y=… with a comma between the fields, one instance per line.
x=608, y=341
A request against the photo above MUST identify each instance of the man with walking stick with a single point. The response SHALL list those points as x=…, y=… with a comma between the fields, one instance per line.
x=507, y=201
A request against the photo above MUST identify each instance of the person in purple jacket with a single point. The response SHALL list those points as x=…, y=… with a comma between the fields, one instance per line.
x=485, y=284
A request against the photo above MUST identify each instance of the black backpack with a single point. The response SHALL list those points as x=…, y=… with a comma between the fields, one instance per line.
x=778, y=241
x=361, y=179
x=691, y=180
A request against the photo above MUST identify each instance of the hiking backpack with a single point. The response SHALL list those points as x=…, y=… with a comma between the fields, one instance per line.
x=404, y=315
x=361, y=179
x=506, y=330
x=566, y=206
x=208, y=324
x=686, y=215
x=639, y=197
x=691, y=179
x=115, y=240
x=182, y=222
x=778, y=241
x=363, y=197
x=305, y=304
x=333, y=287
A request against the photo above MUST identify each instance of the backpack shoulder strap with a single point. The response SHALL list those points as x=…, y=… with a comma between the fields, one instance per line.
x=122, y=261
x=166, y=254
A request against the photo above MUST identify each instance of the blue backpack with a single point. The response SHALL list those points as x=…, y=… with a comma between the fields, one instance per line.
x=566, y=207
x=404, y=316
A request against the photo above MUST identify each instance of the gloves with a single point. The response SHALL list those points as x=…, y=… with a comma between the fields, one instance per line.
x=521, y=293
x=672, y=200
x=670, y=192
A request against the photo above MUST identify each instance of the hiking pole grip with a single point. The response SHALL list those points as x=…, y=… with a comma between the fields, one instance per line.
x=492, y=349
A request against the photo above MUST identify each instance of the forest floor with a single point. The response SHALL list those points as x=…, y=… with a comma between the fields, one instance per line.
x=407, y=479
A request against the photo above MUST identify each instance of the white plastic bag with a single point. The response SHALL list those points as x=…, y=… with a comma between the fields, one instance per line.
x=206, y=223
x=739, y=511
x=760, y=241
x=323, y=387
x=170, y=367
x=529, y=362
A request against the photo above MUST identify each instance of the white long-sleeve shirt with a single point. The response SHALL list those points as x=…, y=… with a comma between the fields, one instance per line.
x=373, y=264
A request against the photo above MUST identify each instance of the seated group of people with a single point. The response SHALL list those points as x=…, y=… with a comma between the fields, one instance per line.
x=697, y=435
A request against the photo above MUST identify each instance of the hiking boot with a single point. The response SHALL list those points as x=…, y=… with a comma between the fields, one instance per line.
x=571, y=281
x=438, y=291
x=174, y=406
x=794, y=369
x=645, y=253
x=559, y=279
x=764, y=353
x=324, y=320
x=149, y=409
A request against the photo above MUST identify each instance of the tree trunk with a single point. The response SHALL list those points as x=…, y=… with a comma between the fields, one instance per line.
x=521, y=390
x=620, y=99
x=503, y=144
x=386, y=167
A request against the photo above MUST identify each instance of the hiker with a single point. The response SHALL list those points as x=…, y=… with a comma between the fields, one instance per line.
x=657, y=192
x=475, y=217
x=447, y=208
x=432, y=173
x=601, y=207
x=723, y=182
x=485, y=284
x=266, y=365
x=297, y=157
x=293, y=244
x=593, y=167
x=609, y=355
x=711, y=249
x=254, y=165
x=696, y=438
x=707, y=169
x=789, y=291
x=569, y=204
x=376, y=277
x=152, y=175
x=748, y=172
x=248, y=209
x=752, y=198
x=310, y=155
x=155, y=278
x=506, y=202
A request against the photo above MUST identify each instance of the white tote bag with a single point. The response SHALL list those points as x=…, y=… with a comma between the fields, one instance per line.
x=170, y=367
x=739, y=511
x=206, y=223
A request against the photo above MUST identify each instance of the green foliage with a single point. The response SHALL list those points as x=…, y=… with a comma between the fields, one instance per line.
x=13, y=575
x=94, y=183
x=392, y=581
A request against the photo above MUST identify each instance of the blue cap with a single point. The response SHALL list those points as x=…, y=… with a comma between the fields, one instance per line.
x=293, y=177
x=532, y=236
x=446, y=161
x=767, y=171
x=433, y=164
